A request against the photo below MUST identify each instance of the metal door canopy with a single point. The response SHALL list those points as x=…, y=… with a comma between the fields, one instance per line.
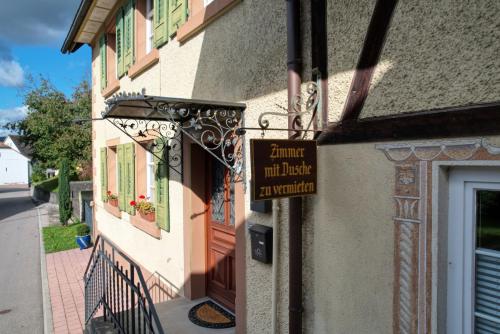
x=211, y=124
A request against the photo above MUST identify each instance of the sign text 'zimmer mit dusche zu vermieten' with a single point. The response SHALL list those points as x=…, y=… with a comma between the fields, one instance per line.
x=283, y=168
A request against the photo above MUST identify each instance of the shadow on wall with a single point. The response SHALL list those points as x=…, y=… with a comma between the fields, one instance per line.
x=437, y=55
x=243, y=55
x=160, y=288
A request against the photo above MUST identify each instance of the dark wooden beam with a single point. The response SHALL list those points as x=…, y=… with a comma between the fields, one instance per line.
x=319, y=59
x=319, y=37
x=370, y=55
x=473, y=120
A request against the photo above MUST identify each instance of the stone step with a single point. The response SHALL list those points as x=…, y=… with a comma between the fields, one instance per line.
x=99, y=326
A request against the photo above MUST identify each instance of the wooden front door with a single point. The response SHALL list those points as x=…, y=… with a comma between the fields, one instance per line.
x=221, y=241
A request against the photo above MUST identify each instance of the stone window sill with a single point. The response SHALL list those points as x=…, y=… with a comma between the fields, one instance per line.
x=112, y=87
x=146, y=226
x=114, y=210
x=144, y=63
x=203, y=18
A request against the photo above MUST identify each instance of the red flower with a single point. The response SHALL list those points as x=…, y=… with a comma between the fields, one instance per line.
x=109, y=192
x=133, y=203
x=142, y=197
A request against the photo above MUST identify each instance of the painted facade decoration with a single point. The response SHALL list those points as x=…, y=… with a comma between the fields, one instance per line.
x=415, y=244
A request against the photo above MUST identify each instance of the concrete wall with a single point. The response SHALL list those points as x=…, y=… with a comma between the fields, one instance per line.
x=76, y=190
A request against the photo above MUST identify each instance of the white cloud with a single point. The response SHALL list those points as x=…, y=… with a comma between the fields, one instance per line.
x=12, y=115
x=11, y=73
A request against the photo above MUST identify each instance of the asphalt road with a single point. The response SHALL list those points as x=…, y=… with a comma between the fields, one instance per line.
x=20, y=279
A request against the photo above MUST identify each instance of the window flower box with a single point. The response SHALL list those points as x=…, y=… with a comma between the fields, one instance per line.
x=112, y=198
x=145, y=217
x=150, y=216
x=145, y=207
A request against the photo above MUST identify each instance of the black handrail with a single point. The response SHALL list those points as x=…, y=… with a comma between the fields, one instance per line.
x=96, y=242
x=126, y=303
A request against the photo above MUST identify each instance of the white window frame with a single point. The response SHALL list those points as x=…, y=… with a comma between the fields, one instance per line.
x=150, y=179
x=463, y=184
x=149, y=26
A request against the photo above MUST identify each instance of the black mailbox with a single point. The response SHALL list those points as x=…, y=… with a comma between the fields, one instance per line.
x=262, y=243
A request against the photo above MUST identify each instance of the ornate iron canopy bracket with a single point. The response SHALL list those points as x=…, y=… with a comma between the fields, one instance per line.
x=165, y=143
x=212, y=125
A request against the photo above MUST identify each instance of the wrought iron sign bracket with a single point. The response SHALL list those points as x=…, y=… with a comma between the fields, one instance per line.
x=310, y=109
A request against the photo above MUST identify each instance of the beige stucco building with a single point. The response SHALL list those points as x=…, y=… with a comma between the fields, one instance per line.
x=407, y=147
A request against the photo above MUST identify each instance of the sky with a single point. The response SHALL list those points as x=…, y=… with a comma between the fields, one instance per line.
x=31, y=35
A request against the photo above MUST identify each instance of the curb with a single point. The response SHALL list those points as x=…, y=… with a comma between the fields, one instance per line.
x=47, y=306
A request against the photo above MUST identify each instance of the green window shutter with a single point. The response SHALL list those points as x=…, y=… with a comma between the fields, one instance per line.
x=160, y=22
x=102, y=55
x=129, y=164
x=162, y=194
x=104, y=174
x=119, y=43
x=128, y=36
x=122, y=203
x=177, y=14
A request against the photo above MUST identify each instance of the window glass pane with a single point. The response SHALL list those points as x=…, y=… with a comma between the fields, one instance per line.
x=149, y=25
x=217, y=199
x=488, y=219
x=231, y=200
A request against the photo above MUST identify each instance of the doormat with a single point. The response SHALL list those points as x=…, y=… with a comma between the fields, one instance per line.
x=210, y=315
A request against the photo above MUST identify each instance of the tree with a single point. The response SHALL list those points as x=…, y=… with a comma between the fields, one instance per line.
x=64, y=192
x=50, y=128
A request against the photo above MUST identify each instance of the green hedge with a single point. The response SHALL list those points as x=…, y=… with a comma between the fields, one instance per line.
x=50, y=185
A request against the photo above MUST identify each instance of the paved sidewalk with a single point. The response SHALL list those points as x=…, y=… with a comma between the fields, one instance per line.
x=65, y=273
x=21, y=302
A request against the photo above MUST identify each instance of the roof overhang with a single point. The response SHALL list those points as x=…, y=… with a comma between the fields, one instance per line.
x=88, y=20
x=147, y=107
x=213, y=125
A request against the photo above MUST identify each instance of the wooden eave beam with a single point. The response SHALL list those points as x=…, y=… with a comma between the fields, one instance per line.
x=370, y=55
x=473, y=120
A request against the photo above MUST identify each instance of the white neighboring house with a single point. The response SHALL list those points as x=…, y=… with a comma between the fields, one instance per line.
x=15, y=162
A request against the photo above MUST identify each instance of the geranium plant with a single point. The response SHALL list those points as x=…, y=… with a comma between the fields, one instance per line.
x=110, y=195
x=145, y=207
x=112, y=198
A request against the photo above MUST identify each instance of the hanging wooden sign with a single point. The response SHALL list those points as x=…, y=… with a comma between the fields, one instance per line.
x=283, y=168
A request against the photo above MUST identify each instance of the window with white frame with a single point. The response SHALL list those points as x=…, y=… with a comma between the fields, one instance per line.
x=150, y=177
x=149, y=25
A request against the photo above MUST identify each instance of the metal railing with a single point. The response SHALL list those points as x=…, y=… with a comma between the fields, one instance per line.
x=118, y=292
